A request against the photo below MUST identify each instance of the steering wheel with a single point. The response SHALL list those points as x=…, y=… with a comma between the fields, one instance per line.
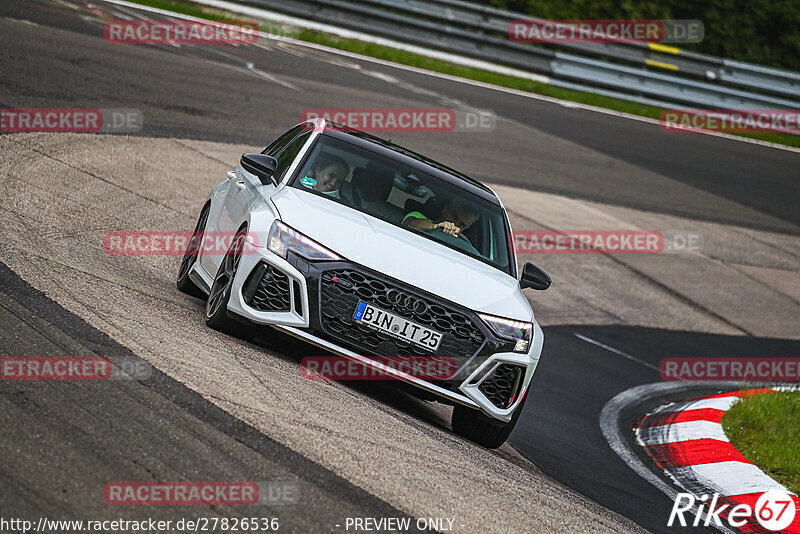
x=460, y=235
x=461, y=241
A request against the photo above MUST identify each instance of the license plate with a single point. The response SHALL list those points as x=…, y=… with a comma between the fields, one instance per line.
x=396, y=326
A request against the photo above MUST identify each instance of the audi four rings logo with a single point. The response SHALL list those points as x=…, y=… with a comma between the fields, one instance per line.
x=406, y=302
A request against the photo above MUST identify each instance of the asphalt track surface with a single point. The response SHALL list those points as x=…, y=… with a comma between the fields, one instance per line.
x=196, y=93
x=156, y=426
x=199, y=93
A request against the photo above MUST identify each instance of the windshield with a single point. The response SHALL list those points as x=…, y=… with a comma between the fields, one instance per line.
x=407, y=198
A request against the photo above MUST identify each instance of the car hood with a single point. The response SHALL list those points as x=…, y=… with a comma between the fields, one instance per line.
x=403, y=255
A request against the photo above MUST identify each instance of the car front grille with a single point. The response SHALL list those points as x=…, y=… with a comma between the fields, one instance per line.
x=342, y=289
x=502, y=385
x=267, y=289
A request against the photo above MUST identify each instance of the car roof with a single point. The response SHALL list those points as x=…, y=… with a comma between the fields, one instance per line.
x=407, y=157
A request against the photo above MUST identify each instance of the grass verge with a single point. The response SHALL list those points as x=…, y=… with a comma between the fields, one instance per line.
x=766, y=429
x=187, y=7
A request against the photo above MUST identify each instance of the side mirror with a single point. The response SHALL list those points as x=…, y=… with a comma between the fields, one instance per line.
x=533, y=277
x=261, y=165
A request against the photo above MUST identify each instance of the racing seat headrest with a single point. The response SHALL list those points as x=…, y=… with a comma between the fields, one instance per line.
x=374, y=177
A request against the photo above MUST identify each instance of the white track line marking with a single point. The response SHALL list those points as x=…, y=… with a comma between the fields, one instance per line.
x=615, y=351
x=732, y=479
x=466, y=81
x=718, y=403
x=676, y=432
x=612, y=429
x=728, y=478
x=289, y=20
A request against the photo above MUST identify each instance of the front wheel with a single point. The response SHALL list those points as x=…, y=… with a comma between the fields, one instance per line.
x=482, y=429
x=217, y=303
x=185, y=283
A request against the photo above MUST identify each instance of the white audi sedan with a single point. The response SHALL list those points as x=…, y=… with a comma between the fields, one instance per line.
x=379, y=255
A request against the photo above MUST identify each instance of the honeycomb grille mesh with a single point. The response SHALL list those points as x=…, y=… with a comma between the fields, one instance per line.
x=501, y=386
x=461, y=337
x=272, y=293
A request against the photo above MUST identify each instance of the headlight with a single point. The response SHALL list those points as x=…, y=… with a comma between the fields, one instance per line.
x=514, y=330
x=282, y=239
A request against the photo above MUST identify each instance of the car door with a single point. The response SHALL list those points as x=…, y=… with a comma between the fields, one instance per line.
x=237, y=194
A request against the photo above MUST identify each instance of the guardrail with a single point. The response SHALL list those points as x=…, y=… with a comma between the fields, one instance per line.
x=701, y=66
x=646, y=72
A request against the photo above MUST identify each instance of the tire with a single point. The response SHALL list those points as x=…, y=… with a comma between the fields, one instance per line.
x=184, y=283
x=217, y=303
x=482, y=429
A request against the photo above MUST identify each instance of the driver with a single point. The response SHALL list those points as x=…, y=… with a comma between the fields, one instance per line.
x=456, y=216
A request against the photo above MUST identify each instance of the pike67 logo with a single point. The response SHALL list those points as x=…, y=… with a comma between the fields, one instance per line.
x=774, y=510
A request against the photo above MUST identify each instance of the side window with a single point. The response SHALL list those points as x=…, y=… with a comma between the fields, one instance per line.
x=286, y=157
x=281, y=142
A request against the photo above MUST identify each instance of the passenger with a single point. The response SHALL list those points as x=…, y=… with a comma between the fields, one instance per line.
x=456, y=216
x=328, y=174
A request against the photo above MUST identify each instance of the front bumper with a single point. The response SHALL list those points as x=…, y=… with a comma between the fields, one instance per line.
x=315, y=301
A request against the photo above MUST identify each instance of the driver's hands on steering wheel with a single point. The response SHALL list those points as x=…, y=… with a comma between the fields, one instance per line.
x=448, y=228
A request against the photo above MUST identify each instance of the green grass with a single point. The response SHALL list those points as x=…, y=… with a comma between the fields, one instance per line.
x=766, y=429
x=191, y=9
x=187, y=7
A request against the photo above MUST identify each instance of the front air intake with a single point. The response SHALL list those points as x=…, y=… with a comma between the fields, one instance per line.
x=267, y=289
x=503, y=384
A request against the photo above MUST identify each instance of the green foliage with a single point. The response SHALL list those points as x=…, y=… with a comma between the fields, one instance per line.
x=424, y=62
x=766, y=32
x=766, y=430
